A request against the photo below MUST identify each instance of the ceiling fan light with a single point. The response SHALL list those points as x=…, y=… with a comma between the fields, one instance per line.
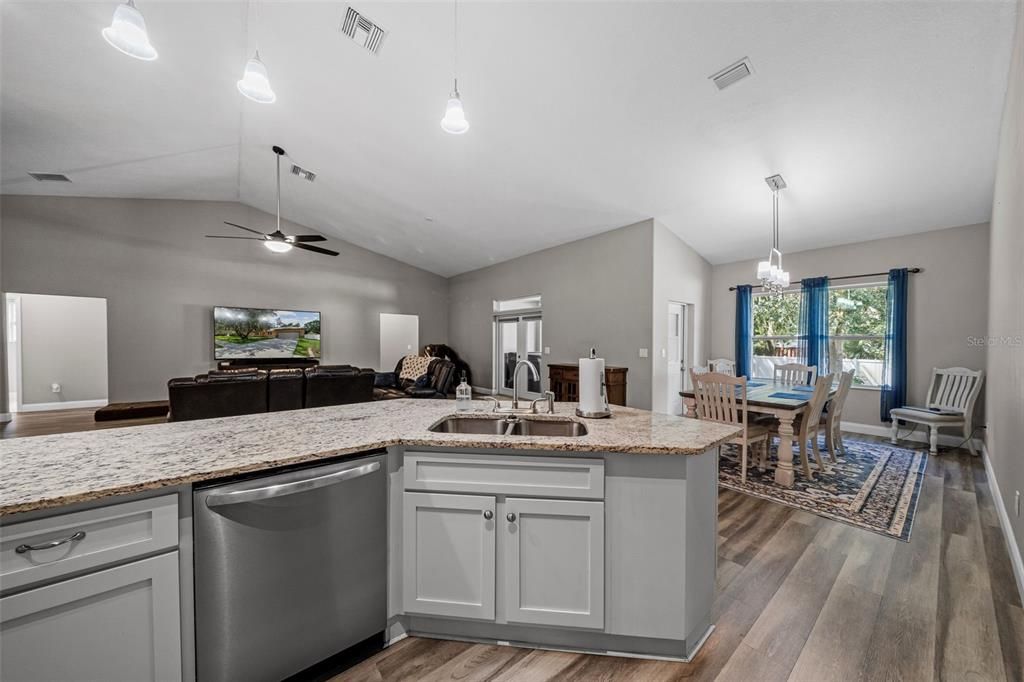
x=277, y=246
x=127, y=33
x=454, y=121
x=255, y=83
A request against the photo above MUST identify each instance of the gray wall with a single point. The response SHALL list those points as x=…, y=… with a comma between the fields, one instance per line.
x=63, y=341
x=1005, y=374
x=596, y=292
x=149, y=259
x=947, y=300
x=681, y=275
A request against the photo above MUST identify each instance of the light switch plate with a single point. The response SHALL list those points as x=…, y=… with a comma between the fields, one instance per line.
x=643, y=352
x=547, y=350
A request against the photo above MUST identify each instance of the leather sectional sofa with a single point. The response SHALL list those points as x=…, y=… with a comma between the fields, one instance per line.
x=229, y=393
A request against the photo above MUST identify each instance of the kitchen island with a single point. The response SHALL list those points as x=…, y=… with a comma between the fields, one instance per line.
x=602, y=542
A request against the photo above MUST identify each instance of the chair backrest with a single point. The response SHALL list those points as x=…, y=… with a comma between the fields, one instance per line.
x=720, y=397
x=955, y=388
x=795, y=373
x=699, y=369
x=723, y=366
x=839, y=399
x=822, y=386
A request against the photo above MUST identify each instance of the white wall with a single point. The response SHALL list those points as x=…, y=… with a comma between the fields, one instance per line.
x=680, y=274
x=1005, y=377
x=161, y=278
x=947, y=301
x=63, y=340
x=596, y=292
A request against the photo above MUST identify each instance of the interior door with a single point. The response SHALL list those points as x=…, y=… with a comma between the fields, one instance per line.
x=448, y=555
x=555, y=562
x=675, y=345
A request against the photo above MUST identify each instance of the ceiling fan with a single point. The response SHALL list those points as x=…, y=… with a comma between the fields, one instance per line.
x=277, y=241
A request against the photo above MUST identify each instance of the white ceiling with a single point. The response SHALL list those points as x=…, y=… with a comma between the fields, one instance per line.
x=882, y=116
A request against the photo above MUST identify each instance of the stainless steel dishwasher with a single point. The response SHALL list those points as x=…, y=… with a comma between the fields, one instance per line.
x=290, y=569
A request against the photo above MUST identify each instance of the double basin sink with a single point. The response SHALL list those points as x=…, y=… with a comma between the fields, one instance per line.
x=511, y=425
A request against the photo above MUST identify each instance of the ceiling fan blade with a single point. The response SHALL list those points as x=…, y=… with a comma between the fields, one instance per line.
x=221, y=236
x=316, y=249
x=308, y=238
x=242, y=227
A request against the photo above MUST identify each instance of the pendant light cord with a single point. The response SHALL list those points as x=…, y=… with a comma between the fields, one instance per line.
x=455, y=56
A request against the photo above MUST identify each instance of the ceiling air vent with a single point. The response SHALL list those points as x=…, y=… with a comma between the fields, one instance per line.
x=732, y=73
x=363, y=31
x=303, y=173
x=49, y=177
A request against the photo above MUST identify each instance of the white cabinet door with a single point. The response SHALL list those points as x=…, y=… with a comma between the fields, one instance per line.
x=119, y=624
x=555, y=555
x=448, y=555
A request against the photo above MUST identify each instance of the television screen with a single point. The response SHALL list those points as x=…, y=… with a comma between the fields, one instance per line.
x=263, y=333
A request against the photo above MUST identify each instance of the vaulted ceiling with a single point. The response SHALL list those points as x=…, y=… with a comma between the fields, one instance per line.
x=882, y=117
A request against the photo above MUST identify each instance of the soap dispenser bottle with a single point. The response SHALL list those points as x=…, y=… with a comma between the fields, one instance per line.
x=463, y=396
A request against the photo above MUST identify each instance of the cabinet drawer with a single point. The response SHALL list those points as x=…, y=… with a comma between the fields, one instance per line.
x=505, y=475
x=102, y=536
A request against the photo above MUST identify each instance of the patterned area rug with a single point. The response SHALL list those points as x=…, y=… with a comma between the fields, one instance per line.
x=876, y=486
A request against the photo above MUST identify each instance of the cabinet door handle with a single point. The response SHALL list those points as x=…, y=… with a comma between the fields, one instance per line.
x=488, y=514
x=21, y=549
x=511, y=517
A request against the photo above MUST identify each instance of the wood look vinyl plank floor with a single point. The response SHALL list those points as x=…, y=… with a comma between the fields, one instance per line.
x=799, y=597
x=805, y=598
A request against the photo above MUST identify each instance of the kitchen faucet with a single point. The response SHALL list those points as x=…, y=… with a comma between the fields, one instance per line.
x=548, y=396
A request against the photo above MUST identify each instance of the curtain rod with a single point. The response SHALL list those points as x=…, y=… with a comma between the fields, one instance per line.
x=835, y=279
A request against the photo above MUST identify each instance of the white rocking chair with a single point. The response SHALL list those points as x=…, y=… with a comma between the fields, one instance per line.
x=950, y=402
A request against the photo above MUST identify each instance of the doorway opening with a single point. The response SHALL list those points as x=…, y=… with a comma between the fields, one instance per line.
x=676, y=354
x=518, y=335
x=56, y=352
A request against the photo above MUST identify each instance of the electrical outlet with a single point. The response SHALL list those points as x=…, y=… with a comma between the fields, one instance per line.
x=643, y=352
x=1016, y=502
x=547, y=350
x=55, y=388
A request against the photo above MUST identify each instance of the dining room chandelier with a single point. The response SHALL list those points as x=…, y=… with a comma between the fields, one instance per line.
x=774, y=280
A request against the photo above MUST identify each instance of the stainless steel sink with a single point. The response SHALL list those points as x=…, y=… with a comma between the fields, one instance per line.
x=501, y=425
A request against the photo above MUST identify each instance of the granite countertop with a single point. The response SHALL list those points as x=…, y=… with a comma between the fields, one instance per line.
x=42, y=472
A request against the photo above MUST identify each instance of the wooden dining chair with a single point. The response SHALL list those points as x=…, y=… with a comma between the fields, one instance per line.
x=832, y=419
x=722, y=398
x=795, y=373
x=950, y=403
x=808, y=424
x=723, y=366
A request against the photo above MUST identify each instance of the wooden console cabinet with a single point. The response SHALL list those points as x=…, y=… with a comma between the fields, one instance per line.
x=564, y=381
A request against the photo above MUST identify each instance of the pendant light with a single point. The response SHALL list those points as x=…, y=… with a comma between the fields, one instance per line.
x=774, y=279
x=255, y=83
x=127, y=33
x=454, y=121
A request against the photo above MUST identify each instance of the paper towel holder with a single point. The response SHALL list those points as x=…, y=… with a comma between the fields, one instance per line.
x=600, y=414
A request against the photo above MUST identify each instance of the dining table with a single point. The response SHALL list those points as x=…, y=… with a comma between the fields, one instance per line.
x=783, y=401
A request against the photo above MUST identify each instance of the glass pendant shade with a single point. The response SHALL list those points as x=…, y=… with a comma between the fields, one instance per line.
x=764, y=268
x=454, y=120
x=127, y=33
x=255, y=83
x=278, y=246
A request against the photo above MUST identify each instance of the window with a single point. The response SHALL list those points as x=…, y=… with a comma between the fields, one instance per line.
x=856, y=332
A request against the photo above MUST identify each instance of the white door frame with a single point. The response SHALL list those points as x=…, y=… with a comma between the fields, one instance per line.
x=15, y=406
x=521, y=317
x=677, y=376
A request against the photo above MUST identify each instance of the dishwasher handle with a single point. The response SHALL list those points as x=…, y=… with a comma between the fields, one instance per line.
x=282, y=489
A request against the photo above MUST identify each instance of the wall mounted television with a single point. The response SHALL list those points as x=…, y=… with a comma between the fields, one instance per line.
x=244, y=333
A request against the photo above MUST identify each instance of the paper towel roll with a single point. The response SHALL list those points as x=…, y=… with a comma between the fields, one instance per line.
x=592, y=397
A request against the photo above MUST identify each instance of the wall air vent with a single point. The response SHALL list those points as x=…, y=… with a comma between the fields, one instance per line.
x=49, y=177
x=363, y=31
x=303, y=173
x=732, y=73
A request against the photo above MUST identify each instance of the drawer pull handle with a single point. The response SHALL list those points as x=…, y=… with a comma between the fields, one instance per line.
x=21, y=549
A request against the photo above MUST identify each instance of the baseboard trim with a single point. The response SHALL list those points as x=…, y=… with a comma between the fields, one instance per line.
x=5, y=417
x=945, y=439
x=1004, y=521
x=66, y=405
